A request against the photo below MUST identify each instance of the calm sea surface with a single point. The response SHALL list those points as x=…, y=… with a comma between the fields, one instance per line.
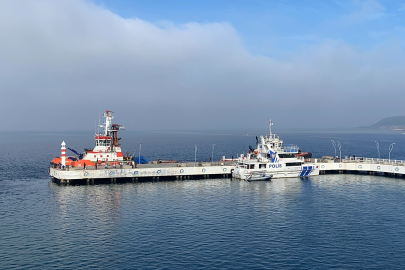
x=328, y=221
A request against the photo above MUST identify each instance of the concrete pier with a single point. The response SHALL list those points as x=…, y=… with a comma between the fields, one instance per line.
x=362, y=165
x=206, y=170
x=142, y=173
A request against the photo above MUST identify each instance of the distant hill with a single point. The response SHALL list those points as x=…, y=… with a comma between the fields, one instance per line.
x=395, y=122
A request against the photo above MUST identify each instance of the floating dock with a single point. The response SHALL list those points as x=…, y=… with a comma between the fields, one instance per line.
x=362, y=165
x=206, y=170
x=141, y=173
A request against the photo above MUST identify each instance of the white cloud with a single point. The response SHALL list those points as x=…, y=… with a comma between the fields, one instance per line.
x=365, y=11
x=69, y=58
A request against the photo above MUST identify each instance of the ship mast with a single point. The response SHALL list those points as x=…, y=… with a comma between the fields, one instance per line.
x=107, y=126
x=270, y=124
x=110, y=130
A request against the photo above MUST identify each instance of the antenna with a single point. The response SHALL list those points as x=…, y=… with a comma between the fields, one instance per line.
x=270, y=124
x=98, y=120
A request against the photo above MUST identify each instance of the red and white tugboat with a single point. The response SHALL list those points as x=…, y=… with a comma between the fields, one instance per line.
x=107, y=149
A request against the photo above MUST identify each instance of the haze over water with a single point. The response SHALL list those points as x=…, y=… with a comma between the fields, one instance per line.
x=200, y=64
x=328, y=221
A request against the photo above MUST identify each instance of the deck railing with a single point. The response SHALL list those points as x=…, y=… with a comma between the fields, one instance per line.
x=372, y=160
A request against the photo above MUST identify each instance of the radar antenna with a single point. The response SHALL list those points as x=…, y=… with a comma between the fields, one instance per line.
x=270, y=124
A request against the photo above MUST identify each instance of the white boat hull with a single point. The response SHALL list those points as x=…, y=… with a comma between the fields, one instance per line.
x=284, y=172
x=272, y=157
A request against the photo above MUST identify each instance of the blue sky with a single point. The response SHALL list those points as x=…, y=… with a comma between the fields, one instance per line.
x=201, y=64
x=275, y=28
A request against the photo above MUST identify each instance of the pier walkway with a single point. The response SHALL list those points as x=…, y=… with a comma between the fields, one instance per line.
x=204, y=170
x=142, y=172
x=373, y=166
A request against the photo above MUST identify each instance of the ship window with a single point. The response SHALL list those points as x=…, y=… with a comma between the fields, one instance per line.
x=286, y=155
x=108, y=155
x=101, y=155
x=94, y=155
x=262, y=166
x=293, y=164
x=252, y=166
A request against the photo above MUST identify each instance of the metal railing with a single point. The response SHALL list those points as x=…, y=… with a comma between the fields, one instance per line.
x=374, y=160
x=151, y=165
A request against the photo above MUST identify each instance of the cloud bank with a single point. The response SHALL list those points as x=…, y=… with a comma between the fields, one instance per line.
x=64, y=61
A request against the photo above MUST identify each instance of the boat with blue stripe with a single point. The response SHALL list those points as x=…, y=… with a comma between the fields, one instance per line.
x=272, y=157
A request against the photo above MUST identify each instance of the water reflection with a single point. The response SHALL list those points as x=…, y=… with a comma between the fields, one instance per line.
x=332, y=217
x=344, y=181
x=98, y=204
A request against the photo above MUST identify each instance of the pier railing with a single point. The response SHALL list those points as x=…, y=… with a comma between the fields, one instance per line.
x=152, y=165
x=374, y=160
x=366, y=160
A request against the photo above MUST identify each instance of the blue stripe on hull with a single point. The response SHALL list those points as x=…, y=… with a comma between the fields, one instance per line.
x=306, y=170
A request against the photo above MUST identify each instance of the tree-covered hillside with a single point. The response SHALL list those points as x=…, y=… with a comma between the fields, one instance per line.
x=390, y=122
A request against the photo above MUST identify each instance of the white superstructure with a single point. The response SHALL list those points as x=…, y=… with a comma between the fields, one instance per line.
x=274, y=158
x=107, y=147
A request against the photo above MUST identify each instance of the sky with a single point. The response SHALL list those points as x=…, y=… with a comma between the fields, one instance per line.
x=198, y=65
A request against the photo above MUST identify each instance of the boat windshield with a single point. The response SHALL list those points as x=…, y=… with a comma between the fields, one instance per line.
x=103, y=142
x=291, y=148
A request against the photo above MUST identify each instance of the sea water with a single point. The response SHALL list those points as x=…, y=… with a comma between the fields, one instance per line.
x=327, y=221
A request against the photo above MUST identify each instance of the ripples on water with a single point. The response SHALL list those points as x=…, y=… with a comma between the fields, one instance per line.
x=332, y=221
